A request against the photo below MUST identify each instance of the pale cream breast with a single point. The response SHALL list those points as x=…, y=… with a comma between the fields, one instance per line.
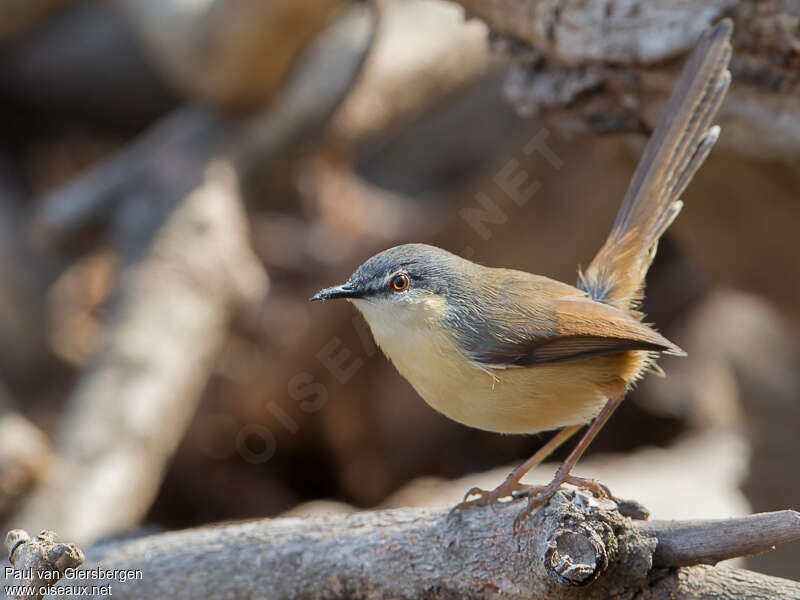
x=513, y=400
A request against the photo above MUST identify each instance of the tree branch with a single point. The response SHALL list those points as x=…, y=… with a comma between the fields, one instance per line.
x=683, y=543
x=173, y=207
x=575, y=32
x=216, y=50
x=38, y=562
x=322, y=78
x=596, y=63
x=413, y=553
x=187, y=267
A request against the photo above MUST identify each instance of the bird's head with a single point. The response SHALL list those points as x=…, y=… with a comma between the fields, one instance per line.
x=403, y=284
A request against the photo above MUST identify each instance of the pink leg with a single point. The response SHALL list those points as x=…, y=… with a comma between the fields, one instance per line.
x=563, y=473
x=512, y=482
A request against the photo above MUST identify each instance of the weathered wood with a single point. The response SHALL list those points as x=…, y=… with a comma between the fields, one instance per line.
x=38, y=562
x=24, y=277
x=188, y=265
x=424, y=54
x=599, y=64
x=172, y=207
x=24, y=454
x=233, y=54
x=322, y=78
x=576, y=31
x=707, y=583
x=414, y=553
x=684, y=543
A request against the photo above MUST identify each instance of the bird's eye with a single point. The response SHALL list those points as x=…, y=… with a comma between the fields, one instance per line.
x=399, y=283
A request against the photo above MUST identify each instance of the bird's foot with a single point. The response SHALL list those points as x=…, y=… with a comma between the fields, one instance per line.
x=535, y=499
x=507, y=489
x=600, y=490
x=539, y=495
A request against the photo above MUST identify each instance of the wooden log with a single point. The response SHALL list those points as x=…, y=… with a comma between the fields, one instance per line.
x=39, y=563
x=600, y=64
x=575, y=541
x=235, y=55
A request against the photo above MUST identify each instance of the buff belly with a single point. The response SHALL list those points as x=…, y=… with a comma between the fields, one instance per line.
x=512, y=400
x=522, y=400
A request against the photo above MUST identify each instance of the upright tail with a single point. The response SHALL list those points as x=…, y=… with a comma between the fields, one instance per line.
x=679, y=145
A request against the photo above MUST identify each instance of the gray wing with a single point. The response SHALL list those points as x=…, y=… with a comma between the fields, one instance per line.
x=526, y=320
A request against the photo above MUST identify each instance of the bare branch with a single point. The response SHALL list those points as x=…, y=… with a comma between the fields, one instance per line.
x=322, y=78
x=576, y=32
x=188, y=266
x=595, y=64
x=414, y=553
x=39, y=562
x=683, y=543
x=172, y=204
x=216, y=50
x=425, y=52
x=708, y=583
x=24, y=456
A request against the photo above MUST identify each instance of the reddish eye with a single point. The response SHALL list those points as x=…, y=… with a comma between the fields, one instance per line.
x=399, y=283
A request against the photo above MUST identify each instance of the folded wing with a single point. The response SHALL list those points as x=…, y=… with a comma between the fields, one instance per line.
x=571, y=327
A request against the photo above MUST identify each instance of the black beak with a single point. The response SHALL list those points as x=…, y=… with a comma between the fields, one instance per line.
x=345, y=290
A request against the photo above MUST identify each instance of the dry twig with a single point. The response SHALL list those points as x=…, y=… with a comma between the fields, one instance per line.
x=38, y=562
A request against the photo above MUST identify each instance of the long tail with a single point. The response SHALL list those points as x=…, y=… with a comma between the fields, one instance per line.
x=679, y=145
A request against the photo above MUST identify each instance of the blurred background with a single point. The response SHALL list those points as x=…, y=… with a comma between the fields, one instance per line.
x=177, y=177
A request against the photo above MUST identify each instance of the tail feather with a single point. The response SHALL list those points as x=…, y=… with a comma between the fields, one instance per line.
x=679, y=145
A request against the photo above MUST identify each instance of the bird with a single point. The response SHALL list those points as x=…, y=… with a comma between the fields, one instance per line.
x=512, y=352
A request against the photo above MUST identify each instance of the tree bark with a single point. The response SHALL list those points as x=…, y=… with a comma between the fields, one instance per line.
x=597, y=62
x=38, y=563
x=172, y=207
x=187, y=266
x=575, y=540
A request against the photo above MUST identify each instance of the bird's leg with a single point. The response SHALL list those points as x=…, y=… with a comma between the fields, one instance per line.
x=512, y=482
x=543, y=494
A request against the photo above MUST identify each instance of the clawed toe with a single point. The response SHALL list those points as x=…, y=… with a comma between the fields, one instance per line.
x=540, y=495
x=592, y=485
x=474, y=491
x=537, y=495
x=524, y=514
x=483, y=498
x=507, y=489
x=511, y=487
x=535, y=500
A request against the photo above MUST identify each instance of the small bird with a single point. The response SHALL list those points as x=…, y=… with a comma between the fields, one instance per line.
x=512, y=352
